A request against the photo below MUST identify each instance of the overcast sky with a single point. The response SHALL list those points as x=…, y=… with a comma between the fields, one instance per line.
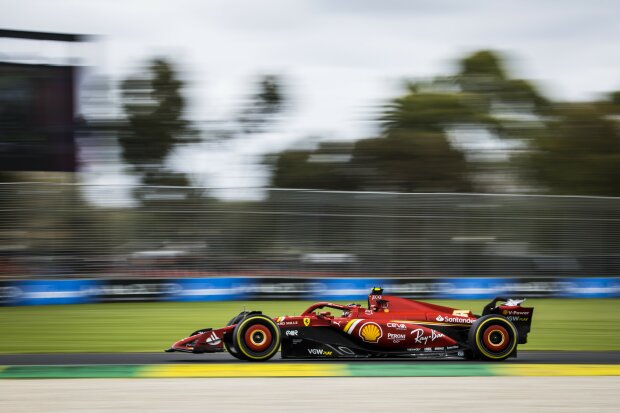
x=341, y=58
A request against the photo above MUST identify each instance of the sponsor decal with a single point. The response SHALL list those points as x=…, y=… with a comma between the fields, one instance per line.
x=462, y=313
x=371, y=332
x=439, y=348
x=416, y=350
x=428, y=349
x=397, y=326
x=516, y=315
x=213, y=339
x=452, y=347
x=376, y=297
x=292, y=333
x=319, y=352
x=420, y=338
x=515, y=312
x=290, y=323
x=306, y=321
x=396, y=338
x=454, y=320
x=368, y=312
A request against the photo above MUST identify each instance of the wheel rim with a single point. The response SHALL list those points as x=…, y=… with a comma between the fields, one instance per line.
x=258, y=337
x=496, y=338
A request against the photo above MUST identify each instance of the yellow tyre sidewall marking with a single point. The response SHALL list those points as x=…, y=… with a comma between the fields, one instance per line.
x=481, y=347
x=276, y=337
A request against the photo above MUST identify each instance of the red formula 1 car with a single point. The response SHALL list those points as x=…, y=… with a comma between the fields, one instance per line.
x=388, y=327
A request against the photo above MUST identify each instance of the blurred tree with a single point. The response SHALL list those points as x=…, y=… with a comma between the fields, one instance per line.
x=267, y=102
x=483, y=78
x=154, y=107
x=414, y=153
x=578, y=151
x=327, y=167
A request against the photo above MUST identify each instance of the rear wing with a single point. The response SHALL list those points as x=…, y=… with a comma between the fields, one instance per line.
x=510, y=308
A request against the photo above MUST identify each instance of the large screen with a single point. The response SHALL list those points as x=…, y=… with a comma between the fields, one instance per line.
x=37, y=118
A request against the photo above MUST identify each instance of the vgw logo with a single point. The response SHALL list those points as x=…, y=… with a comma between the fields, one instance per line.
x=319, y=352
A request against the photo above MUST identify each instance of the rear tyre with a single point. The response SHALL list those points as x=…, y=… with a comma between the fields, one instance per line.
x=228, y=338
x=256, y=338
x=493, y=337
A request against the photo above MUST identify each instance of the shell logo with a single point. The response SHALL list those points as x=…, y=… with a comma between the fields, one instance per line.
x=371, y=332
x=505, y=312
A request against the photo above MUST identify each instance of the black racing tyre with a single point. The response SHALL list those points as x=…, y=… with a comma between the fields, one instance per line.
x=256, y=338
x=228, y=338
x=493, y=337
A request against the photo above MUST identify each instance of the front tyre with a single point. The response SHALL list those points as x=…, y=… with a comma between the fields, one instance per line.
x=256, y=338
x=493, y=337
x=228, y=338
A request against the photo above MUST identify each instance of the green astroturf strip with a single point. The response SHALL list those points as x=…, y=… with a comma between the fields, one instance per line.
x=69, y=372
x=559, y=324
x=419, y=370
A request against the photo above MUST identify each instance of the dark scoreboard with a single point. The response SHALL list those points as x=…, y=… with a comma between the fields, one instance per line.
x=37, y=108
x=37, y=117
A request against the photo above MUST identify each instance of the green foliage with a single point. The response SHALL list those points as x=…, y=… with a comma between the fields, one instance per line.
x=483, y=63
x=561, y=148
x=410, y=160
x=264, y=105
x=154, y=109
x=325, y=168
x=577, y=152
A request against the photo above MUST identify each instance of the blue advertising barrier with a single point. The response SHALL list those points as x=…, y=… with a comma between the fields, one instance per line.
x=343, y=288
x=473, y=288
x=209, y=289
x=590, y=288
x=44, y=292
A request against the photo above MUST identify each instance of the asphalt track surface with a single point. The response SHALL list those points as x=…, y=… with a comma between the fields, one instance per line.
x=524, y=357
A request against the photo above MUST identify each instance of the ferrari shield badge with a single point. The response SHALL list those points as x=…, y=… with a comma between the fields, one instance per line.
x=306, y=321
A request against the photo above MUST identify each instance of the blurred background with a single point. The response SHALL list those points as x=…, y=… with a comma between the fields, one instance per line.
x=228, y=150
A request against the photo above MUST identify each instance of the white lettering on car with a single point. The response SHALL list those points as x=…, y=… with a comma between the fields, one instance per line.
x=420, y=338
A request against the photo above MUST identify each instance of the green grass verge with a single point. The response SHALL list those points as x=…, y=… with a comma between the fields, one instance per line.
x=136, y=327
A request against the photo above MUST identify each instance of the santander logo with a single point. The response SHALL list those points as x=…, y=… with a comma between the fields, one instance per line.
x=454, y=319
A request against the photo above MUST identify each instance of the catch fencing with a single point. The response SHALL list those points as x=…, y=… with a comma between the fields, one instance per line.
x=84, y=231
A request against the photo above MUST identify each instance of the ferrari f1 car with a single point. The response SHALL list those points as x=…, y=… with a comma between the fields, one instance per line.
x=388, y=327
